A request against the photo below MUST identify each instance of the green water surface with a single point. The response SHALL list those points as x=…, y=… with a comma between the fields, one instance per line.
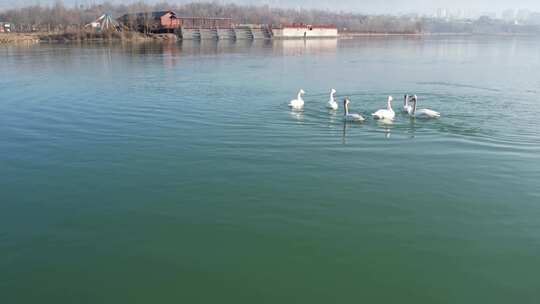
x=176, y=173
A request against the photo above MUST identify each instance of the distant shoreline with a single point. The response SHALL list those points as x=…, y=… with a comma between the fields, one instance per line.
x=355, y=35
x=34, y=38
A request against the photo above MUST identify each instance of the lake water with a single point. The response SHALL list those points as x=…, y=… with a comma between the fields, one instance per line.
x=176, y=173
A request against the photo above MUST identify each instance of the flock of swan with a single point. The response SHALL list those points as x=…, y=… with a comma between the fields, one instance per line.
x=387, y=114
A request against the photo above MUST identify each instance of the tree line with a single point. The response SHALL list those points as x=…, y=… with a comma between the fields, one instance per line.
x=59, y=17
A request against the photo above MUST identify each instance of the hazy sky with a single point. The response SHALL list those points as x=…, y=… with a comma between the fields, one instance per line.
x=368, y=6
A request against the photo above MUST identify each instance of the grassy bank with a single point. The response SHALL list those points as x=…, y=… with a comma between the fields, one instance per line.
x=8, y=38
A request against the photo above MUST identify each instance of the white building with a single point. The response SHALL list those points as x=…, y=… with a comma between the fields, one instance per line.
x=523, y=15
x=509, y=15
x=305, y=31
x=5, y=27
x=442, y=13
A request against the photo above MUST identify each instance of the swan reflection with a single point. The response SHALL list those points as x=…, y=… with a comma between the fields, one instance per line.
x=344, y=135
x=412, y=128
x=333, y=117
x=297, y=114
x=386, y=126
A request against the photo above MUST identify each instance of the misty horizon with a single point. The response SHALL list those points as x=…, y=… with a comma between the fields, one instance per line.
x=472, y=7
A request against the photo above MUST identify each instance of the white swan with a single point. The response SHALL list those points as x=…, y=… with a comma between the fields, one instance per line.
x=406, y=106
x=298, y=103
x=422, y=113
x=332, y=104
x=350, y=116
x=385, y=114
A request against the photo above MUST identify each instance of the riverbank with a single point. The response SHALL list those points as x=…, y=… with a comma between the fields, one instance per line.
x=25, y=38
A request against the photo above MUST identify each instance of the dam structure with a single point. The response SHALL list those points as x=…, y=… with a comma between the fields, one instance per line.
x=236, y=32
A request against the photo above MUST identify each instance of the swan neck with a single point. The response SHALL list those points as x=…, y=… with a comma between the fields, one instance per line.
x=346, y=108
